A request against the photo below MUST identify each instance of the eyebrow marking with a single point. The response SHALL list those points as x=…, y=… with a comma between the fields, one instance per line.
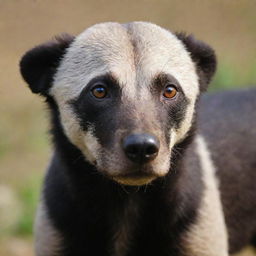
x=107, y=77
x=161, y=79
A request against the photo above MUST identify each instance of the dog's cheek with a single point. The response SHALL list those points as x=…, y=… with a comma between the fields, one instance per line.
x=86, y=141
x=161, y=165
x=186, y=122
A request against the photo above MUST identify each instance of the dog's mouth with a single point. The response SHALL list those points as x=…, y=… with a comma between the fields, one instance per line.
x=135, y=179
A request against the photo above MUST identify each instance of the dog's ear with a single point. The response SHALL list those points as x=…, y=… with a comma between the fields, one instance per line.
x=203, y=56
x=39, y=64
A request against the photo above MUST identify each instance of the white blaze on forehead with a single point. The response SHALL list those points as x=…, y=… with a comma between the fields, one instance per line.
x=159, y=51
x=100, y=49
x=134, y=53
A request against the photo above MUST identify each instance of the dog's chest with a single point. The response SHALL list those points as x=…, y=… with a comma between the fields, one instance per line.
x=142, y=227
x=124, y=227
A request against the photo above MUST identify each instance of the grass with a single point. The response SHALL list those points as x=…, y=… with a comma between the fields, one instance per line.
x=230, y=77
x=29, y=197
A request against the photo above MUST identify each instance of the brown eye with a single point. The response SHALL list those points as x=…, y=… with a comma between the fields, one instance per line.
x=170, y=91
x=99, y=91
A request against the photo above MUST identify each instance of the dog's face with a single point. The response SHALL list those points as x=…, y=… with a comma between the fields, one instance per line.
x=126, y=95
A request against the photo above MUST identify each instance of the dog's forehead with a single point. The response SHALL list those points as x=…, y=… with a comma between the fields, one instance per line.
x=134, y=53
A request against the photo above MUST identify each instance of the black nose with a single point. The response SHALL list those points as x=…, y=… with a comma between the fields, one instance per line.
x=141, y=148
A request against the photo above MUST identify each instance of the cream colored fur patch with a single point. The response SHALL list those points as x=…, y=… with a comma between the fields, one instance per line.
x=85, y=141
x=208, y=236
x=47, y=238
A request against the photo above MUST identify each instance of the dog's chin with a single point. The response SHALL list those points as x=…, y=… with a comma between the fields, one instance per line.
x=136, y=179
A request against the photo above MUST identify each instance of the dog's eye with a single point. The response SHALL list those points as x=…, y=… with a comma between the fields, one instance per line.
x=170, y=91
x=99, y=91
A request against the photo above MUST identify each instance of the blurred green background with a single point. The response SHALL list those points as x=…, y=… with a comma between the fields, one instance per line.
x=229, y=26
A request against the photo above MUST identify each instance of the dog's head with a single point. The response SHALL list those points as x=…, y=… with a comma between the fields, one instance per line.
x=126, y=94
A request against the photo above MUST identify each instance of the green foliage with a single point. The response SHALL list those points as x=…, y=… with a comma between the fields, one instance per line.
x=29, y=197
x=230, y=77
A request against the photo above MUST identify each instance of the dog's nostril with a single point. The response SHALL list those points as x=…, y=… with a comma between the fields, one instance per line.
x=150, y=150
x=141, y=148
x=132, y=149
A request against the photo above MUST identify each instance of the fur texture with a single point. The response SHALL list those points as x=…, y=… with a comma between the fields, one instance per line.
x=96, y=201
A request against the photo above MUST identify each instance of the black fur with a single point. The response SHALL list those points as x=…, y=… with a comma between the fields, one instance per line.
x=228, y=122
x=91, y=110
x=203, y=56
x=175, y=109
x=39, y=65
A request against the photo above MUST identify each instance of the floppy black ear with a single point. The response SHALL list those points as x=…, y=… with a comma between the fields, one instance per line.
x=39, y=64
x=203, y=56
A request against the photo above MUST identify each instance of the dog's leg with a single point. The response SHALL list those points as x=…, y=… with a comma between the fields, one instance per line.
x=208, y=236
x=47, y=238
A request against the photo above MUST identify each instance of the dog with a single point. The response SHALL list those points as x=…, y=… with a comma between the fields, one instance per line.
x=143, y=164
